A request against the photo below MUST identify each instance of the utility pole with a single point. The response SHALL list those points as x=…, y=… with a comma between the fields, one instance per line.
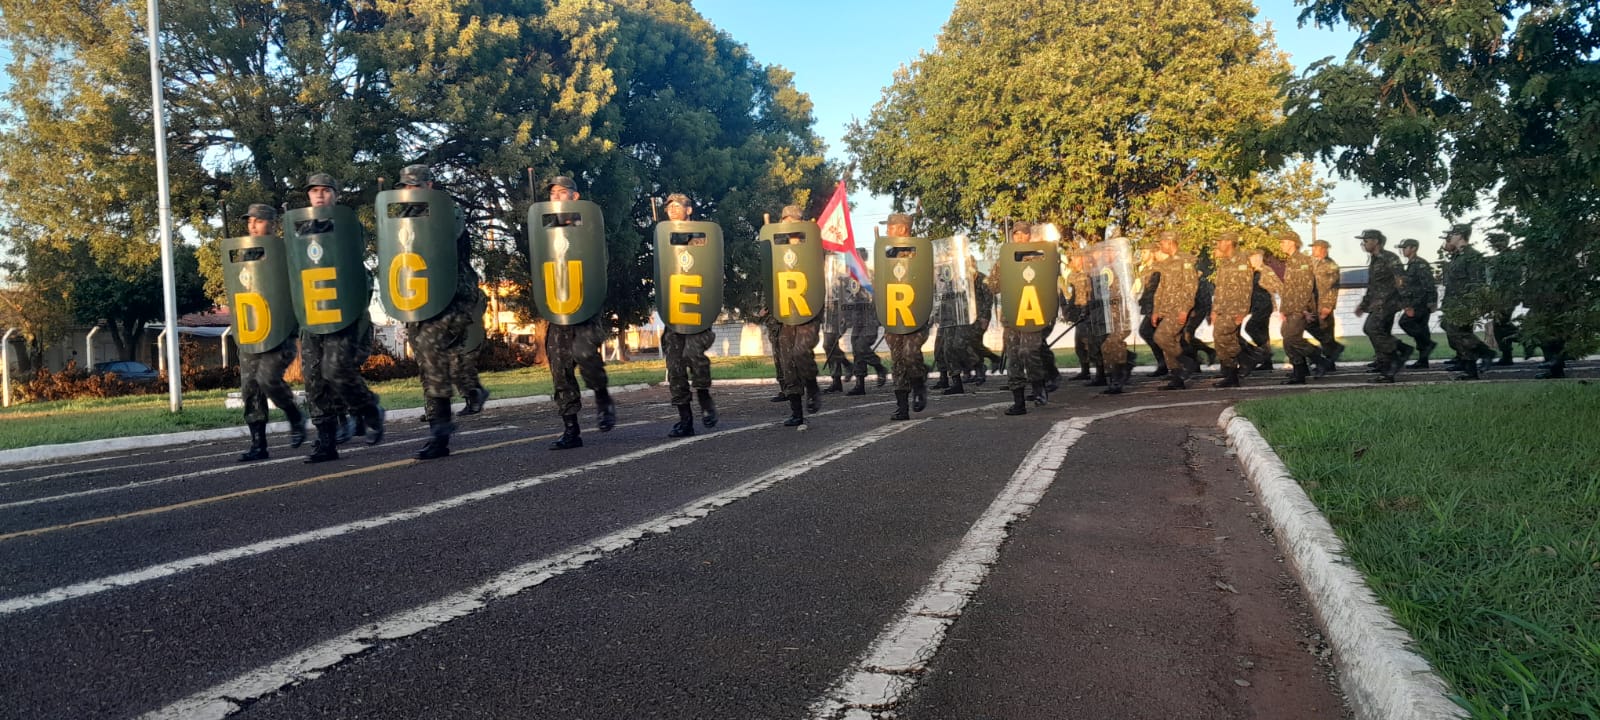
x=169, y=284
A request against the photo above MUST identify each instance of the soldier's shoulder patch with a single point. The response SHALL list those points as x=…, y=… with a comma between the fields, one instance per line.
x=1188, y=266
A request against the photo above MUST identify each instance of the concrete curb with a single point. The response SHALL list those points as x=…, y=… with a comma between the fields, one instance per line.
x=46, y=453
x=1383, y=678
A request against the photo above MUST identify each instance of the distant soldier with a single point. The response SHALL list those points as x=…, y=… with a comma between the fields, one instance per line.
x=1297, y=304
x=1205, y=290
x=689, y=277
x=769, y=319
x=1229, y=305
x=1328, y=279
x=1150, y=283
x=1259, y=327
x=1110, y=271
x=1174, y=301
x=983, y=295
x=1464, y=278
x=863, y=337
x=327, y=256
x=1385, y=283
x=1506, y=276
x=1418, y=301
x=955, y=309
x=798, y=295
x=903, y=275
x=566, y=237
x=263, y=322
x=1028, y=268
x=1083, y=309
x=833, y=357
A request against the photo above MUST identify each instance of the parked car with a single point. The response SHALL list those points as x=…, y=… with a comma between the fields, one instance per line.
x=129, y=370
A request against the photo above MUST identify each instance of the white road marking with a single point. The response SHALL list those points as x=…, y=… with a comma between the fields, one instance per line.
x=879, y=679
x=222, y=700
x=155, y=572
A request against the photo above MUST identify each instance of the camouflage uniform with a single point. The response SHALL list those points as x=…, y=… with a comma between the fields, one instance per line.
x=687, y=364
x=834, y=359
x=261, y=378
x=984, y=296
x=1151, y=282
x=1327, y=272
x=1084, y=309
x=1024, y=363
x=905, y=353
x=574, y=349
x=1230, y=302
x=1419, y=296
x=773, y=328
x=797, y=356
x=1505, y=278
x=1381, y=302
x=1259, y=327
x=439, y=340
x=1297, y=302
x=1174, y=299
x=1464, y=279
x=331, y=366
x=863, y=337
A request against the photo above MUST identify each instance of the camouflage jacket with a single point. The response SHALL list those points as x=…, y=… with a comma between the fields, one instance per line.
x=1327, y=272
x=1385, y=280
x=1463, y=277
x=1235, y=280
x=1420, y=291
x=1175, y=292
x=1297, y=290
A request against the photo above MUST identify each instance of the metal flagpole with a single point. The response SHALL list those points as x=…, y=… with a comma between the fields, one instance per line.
x=169, y=285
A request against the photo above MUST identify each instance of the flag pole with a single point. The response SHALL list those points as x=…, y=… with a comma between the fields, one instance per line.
x=169, y=282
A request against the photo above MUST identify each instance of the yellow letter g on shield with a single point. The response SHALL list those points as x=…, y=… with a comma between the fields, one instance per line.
x=406, y=290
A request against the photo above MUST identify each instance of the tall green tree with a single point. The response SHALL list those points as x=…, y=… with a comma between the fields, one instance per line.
x=1484, y=103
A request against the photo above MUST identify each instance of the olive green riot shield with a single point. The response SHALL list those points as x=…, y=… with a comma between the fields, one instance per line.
x=955, y=301
x=257, y=279
x=841, y=291
x=326, y=254
x=797, y=270
x=1028, y=296
x=902, y=278
x=417, y=230
x=1110, y=268
x=567, y=246
x=689, y=258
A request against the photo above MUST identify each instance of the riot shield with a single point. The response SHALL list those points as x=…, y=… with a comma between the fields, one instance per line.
x=1110, y=266
x=841, y=293
x=903, y=279
x=257, y=279
x=326, y=253
x=689, y=274
x=1029, y=299
x=797, y=270
x=417, y=263
x=567, y=249
x=952, y=278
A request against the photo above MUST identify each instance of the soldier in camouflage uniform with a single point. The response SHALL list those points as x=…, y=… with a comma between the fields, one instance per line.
x=464, y=368
x=1505, y=288
x=1174, y=301
x=983, y=295
x=1417, y=302
x=1464, y=276
x=1327, y=272
x=905, y=351
x=1230, y=303
x=1385, y=282
x=1150, y=282
x=1083, y=309
x=1024, y=363
x=796, y=354
x=1297, y=293
x=438, y=340
x=261, y=374
x=575, y=349
x=771, y=324
x=687, y=364
x=833, y=358
x=330, y=363
x=1259, y=327
x=864, y=338
x=1205, y=289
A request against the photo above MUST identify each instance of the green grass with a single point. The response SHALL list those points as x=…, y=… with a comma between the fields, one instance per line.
x=1474, y=513
x=66, y=421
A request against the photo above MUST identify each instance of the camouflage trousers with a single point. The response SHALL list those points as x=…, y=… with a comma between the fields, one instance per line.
x=1169, y=340
x=1295, y=345
x=797, y=356
x=261, y=378
x=975, y=336
x=905, y=354
x=437, y=341
x=331, y=365
x=1147, y=331
x=1465, y=342
x=954, y=351
x=861, y=344
x=574, y=349
x=1087, y=344
x=1114, y=350
x=1323, y=331
x=1024, y=364
x=1259, y=328
x=464, y=369
x=834, y=359
x=1417, y=327
x=1379, y=328
x=774, y=331
x=1047, y=356
x=1225, y=335
x=687, y=363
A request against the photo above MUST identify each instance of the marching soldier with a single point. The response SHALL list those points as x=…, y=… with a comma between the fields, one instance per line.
x=983, y=297
x=1327, y=272
x=955, y=311
x=424, y=255
x=798, y=295
x=1230, y=304
x=1174, y=301
x=1297, y=293
x=1084, y=310
x=688, y=298
x=1464, y=278
x=1112, y=299
x=331, y=290
x=1385, y=282
x=863, y=337
x=1259, y=327
x=1150, y=283
x=903, y=278
x=264, y=327
x=567, y=244
x=1028, y=268
x=1505, y=285
x=769, y=319
x=1418, y=301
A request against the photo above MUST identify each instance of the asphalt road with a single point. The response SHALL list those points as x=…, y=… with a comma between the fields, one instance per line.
x=1097, y=557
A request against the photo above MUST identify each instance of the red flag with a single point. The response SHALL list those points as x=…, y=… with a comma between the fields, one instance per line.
x=839, y=236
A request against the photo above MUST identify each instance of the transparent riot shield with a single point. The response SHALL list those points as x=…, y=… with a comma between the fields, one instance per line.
x=840, y=289
x=952, y=275
x=1110, y=265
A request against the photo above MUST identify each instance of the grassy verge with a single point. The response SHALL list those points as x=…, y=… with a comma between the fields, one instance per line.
x=99, y=418
x=1474, y=513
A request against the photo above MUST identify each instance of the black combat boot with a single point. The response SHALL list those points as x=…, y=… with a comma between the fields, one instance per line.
x=607, y=407
x=860, y=386
x=374, y=417
x=1175, y=382
x=1099, y=378
x=570, y=437
x=1019, y=404
x=836, y=386
x=1119, y=374
x=1423, y=351
x=813, y=397
x=1297, y=374
x=708, y=409
x=780, y=397
x=258, y=443
x=1230, y=378
x=1041, y=394
x=957, y=387
x=1160, y=371
x=358, y=426
x=981, y=375
x=1083, y=373
x=476, y=397
x=919, y=396
x=796, y=413
x=944, y=381
x=326, y=446
x=685, y=425
x=901, y=409
x=440, y=426
x=883, y=375
x=1265, y=363
x=297, y=426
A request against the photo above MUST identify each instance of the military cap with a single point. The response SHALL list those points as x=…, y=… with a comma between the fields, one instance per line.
x=321, y=180
x=416, y=175
x=1229, y=236
x=790, y=212
x=898, y=219
x=1409, y=243
x=1320, y=244
x=1462, y=230
x=563, y=181
x=1370, y=234
x=1287, y=235
x=680, y=199
x=1166, y=235
x=1021, y=227
x=260, y=211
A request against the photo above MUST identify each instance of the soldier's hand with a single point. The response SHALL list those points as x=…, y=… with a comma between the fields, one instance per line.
x=1324, y=314
x=1237, y=321
x=1411, y=312
x=1155, y=318
x=1360, y=312
x=1184, y=318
